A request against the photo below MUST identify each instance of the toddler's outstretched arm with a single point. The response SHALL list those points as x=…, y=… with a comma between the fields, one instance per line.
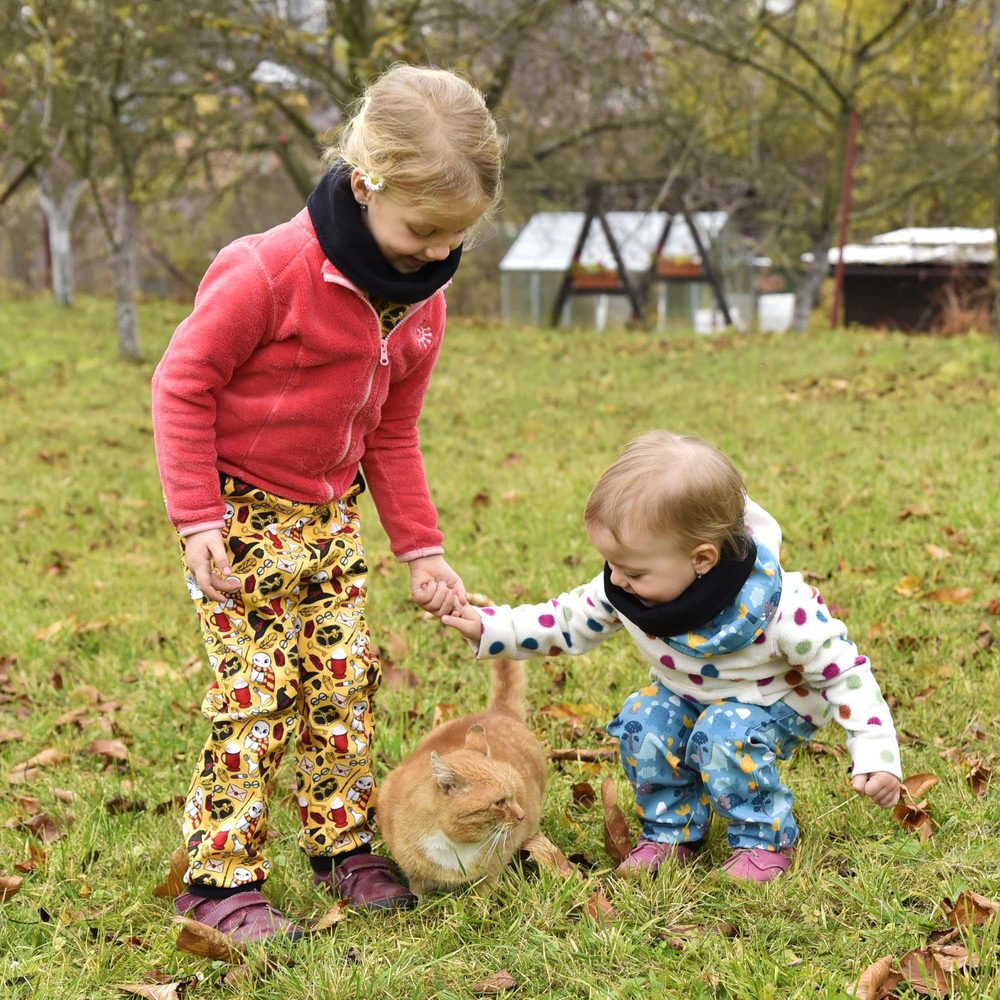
x=880, y=786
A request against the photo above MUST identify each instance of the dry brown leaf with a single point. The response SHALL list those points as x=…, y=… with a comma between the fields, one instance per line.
x=926, y=693
x=44, y=827
x=914, y=816
x=677, y=935
x=395, y=678
x=114, y=749
x=869, y=985
x=617, y=837
x=479, y=600
x=499, y=982
x=823, y=749
x=599, y=909
x=950, y=595
x=936, y=552
x=575, y=753
x=11, y=736
x=970, y=909
x=200, y=939
x=153, y=991
x=173, y=884
x=916, y=786
x=331, y=918
x=37, y=859
x=584, y=794
x=914, y=510
x=547, y=855
x=10, y=885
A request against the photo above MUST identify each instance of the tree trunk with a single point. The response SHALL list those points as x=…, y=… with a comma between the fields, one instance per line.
x=59, y=212
x=125, y=277
x=807, y=293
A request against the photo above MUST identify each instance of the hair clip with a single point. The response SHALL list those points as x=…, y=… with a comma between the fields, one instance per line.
x=373, y=182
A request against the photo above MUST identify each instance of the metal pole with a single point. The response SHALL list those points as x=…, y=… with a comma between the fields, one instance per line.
x=845, y=213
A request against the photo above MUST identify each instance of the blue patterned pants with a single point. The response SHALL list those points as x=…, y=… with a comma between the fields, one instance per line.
x=686, y=759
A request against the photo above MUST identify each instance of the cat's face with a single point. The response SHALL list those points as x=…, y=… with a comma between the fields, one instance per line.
x=479, y=798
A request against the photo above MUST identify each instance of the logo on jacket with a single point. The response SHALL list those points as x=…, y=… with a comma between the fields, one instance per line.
x=424, y=336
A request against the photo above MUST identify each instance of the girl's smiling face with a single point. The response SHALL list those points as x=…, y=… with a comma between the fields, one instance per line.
x=408, y=238
x=655, y=569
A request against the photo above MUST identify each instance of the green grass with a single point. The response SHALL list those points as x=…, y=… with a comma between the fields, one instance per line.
x=838, y=434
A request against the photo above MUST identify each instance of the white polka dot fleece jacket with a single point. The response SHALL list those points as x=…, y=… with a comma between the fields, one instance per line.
x=804, y=657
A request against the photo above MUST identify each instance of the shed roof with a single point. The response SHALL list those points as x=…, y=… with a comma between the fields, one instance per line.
x=922, y=245
x=547, y=240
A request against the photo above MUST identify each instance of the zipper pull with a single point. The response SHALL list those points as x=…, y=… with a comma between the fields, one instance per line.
x=383, y=358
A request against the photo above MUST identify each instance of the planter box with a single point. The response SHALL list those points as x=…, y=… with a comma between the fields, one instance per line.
x=601, y=281
x=678, y=269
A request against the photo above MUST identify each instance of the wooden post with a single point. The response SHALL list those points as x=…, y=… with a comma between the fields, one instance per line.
x=845, y=212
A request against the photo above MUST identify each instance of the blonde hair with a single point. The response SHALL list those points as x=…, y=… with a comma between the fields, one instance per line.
x=429, y=134
x=672, y=485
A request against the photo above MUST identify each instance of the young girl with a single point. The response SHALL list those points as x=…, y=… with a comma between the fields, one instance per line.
x=746, y=660
x=309, y=351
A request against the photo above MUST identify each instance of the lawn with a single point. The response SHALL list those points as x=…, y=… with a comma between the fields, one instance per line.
x=878, y=453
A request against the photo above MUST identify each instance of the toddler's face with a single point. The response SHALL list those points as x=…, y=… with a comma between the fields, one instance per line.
x=653, y=568
x=409, y=238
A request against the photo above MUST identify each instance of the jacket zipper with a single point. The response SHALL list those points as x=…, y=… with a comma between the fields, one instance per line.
x=383, y=360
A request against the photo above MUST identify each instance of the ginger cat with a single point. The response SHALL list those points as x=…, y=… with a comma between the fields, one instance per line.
x=461, y=804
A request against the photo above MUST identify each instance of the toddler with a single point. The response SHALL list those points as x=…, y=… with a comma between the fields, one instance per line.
x=307, y=355
x=747, y=661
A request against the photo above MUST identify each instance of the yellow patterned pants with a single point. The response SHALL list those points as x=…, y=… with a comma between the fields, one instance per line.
x=292, y=667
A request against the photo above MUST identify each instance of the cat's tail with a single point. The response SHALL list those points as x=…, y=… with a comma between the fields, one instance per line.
x=508, y=689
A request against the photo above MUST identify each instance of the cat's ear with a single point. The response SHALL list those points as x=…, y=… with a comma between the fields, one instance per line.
x=444, y=774
x=475, y=739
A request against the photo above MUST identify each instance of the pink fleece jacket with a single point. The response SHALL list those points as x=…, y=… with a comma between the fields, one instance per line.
x=280, y=376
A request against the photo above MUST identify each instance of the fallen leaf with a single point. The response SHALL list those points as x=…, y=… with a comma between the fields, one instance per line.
x=36, y=860
x=979, y=776
x=395, y=678
x=909, y=586
x=44, y=827
x=154, y=991
x=917, y=785
x=397, y=645
x=936, y=552
x=331, y=918
x=970, y=909
x=10, y=885
x=479, y=600
x=579, y=753
x=200, y=939
x=584, y=794
x=599, y=909
x=114, y=749
x=869, y=985
x=914, y=510
x=173, y=884
x=48, y=757
x=617, y=837
x=950, y=595
x=481, y=499
x=824, y=749
x=547, y=855
x=497, y=983
x=926, y=693
x=11, y=736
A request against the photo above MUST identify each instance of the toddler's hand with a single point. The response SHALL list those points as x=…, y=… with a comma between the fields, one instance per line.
x=467, y=620
x=880, y=786
x=201, y=551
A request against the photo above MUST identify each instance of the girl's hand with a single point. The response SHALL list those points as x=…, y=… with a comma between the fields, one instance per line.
x=435, y=586
x=201, y=551
x=468, y=620
x=880, y=786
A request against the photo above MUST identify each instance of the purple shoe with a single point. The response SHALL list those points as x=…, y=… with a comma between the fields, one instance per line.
x=648, y=855
x=754, y=864
x=244, y=916
x=367, y=881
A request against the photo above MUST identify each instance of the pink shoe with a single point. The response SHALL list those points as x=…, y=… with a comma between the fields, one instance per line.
x=244, y=916
x=369, y=881
x=648, y=855
x=754, y=864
